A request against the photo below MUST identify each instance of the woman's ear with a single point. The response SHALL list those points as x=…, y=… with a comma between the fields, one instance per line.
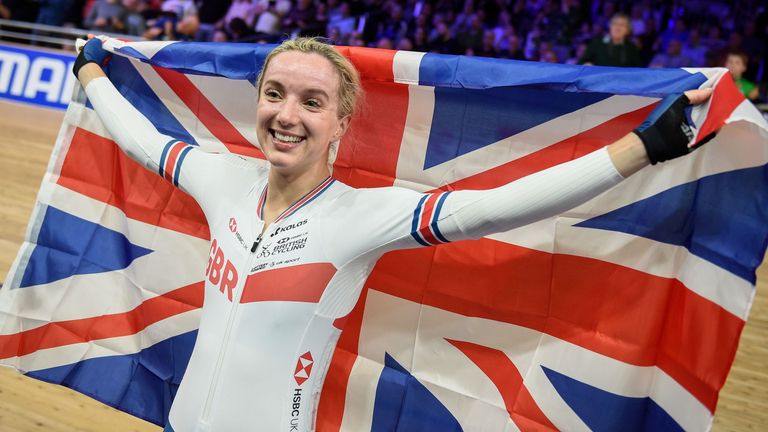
x=342, y=129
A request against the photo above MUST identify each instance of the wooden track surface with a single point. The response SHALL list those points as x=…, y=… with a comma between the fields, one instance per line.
x=27, y=135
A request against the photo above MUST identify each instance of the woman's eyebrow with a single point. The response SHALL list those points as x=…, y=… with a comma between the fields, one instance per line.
x=311, y=91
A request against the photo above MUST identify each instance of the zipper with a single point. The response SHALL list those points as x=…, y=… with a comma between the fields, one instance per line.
x=206, y=412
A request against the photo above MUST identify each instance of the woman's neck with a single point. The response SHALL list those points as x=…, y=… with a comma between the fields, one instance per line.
x=285, y=189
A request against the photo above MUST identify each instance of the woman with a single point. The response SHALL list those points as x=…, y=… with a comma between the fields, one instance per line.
x=291, y=247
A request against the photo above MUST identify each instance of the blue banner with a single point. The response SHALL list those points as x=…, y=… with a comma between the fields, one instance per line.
x=36, y=76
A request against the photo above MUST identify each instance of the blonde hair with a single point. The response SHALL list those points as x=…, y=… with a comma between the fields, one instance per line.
x=349, y=78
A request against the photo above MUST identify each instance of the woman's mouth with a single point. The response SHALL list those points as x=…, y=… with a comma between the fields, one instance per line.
x=285, y=140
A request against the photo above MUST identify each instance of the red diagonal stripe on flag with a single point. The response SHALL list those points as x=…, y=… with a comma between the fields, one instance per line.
x=60, y=333
x=208, y=114
x=607, y=308
x=97, y=168
x=555, y=154
x=503, y=373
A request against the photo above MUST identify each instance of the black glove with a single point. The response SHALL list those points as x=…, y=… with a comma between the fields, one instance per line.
x=666, y=132
x=92, y=52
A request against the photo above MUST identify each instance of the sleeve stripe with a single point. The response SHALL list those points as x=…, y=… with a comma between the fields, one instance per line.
x=177, y=171
x=173, y=157
x=436, y=217
x=424, y=226
x=426, y=216
x=415, y=222
x=161, y=166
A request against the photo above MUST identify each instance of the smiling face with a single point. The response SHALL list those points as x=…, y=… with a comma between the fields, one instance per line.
x=298, y=112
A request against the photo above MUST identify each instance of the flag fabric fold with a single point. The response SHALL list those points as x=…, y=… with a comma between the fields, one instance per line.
x=622, y=313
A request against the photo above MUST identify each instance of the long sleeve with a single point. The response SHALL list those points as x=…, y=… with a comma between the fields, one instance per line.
x=473, y=214
x=185, y=166
x=385, y=219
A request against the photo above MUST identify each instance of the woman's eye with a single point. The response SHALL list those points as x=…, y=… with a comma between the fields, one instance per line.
x=313, y=103
x=273, y=94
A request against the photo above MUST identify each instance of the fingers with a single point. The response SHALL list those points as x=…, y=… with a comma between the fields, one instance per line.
x=698, y=96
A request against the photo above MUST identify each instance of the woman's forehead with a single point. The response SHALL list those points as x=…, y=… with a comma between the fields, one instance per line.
x=302, y=69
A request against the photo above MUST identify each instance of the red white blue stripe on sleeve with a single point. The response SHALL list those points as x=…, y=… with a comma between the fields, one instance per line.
x=424, y=227
x=171, y=159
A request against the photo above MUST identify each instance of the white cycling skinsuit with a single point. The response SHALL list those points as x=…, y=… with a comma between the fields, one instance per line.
x=267, y=330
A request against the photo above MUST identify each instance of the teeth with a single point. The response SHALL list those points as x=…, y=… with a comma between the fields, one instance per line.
x=287, y=138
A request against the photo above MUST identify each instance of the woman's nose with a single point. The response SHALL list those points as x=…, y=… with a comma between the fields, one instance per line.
x=289, y=113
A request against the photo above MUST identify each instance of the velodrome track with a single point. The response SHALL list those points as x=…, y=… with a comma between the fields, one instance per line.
x=27, y=135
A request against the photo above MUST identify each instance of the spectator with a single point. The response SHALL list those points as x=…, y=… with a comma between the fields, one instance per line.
x=5, y=13
x=268, y=22
x=716, y=46
x=178, y=20
x=737, y=62
x=637, y=22
x=356, y=39
x=514, y=48
x=648, y=42
x=443, y=42
x=678, y=32
x=548, y=55
x=694, y=50
x=318, y=26
x=394, y=27
x=420, y=42
x=672, y=58
x=106, y=16
x=300, y=18
x=135, y=24
x=210, y=12
x=615, y=49
x=577, y=54
x=488, y=46
x=385, y=43
x=20, y=10
x=54, y=12
x=246, y=10
x=239, y=31
x=462, y=21
x=472, y=38
x=344, y=21
x=405, y=44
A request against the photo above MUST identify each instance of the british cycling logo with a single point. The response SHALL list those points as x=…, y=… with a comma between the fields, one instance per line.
x=301, y=375
x=232, y=225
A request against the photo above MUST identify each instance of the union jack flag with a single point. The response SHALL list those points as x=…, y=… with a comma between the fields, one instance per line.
x=623, y=313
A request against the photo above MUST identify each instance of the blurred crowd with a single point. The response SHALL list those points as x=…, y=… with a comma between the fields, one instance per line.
x=653, y=33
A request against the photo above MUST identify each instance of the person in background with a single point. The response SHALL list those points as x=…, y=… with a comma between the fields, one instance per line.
x=54, y=12
x=614, y=49
x=736, y=62
x=178, y=20
x=5, y=13
x=672, y=58
x=244, y=9
x=343, y=20
x=210, y=12
x=268, y=22
x=694, y=49
x=106, y=16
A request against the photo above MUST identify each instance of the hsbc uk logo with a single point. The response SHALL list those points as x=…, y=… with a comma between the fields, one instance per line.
x=233, y=227
x=303, y=368
x=301, y=375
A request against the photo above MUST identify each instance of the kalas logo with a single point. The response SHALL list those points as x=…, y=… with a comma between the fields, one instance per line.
x=303, y=368
x=232, y=224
